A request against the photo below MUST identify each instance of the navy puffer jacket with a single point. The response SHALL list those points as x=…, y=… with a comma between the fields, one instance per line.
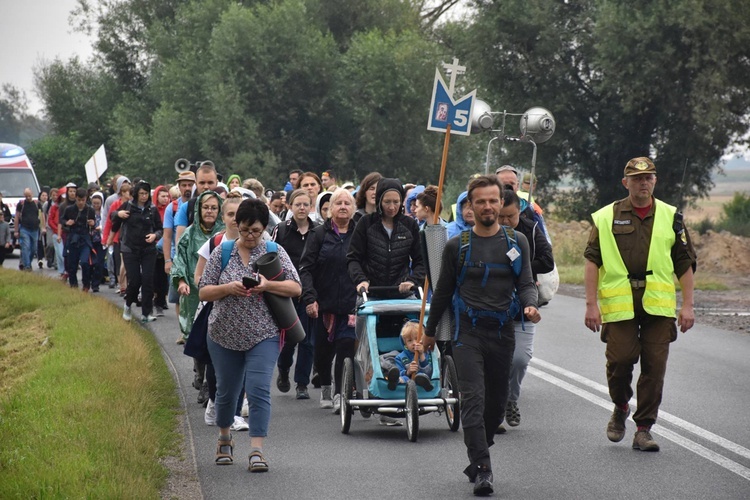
x=323, y=270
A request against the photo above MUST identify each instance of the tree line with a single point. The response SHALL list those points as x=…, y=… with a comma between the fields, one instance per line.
x=262, y=87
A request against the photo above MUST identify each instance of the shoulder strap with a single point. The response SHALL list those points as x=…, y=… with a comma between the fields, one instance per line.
x=191, y=210
x=226, y=252
x=281, y=230
x=510, y=237
x=464, y=252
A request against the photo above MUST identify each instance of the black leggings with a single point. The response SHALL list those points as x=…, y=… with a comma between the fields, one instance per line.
x=139, y=267
x=324, y=353
x=161, y=282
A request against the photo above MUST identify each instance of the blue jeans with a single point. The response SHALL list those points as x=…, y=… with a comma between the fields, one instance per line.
x=97, y=265
x=78, y=252
x=29, y=242
x=254, y=369
x=521, y=357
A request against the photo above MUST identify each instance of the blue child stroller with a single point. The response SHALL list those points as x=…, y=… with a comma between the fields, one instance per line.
x=378, y=331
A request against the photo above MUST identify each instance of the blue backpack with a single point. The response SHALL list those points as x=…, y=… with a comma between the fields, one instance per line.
x=196, y=345
x=465, y=262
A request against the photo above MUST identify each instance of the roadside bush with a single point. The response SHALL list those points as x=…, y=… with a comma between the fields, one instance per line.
x=736, y=215
x=573, y=205
x=703, y=226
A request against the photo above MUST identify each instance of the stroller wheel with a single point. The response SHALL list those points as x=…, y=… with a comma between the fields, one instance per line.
x=450, y=390
x=412, y=411
x=346, y=394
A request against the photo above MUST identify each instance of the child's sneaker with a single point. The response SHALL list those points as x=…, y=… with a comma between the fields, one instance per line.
x=423, y=381
x=392, y=377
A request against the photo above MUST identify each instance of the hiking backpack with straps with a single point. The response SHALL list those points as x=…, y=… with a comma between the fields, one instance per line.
x=465, y=262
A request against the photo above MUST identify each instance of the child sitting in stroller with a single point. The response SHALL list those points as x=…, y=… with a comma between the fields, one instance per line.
x=399, y=367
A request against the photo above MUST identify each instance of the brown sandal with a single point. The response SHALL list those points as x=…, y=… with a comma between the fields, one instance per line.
x=224, y=452
x=259, y=464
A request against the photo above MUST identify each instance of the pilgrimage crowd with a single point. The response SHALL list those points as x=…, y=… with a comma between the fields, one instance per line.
x=195, y=246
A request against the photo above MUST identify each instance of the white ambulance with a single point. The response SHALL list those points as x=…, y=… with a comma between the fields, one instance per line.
x=16, y=174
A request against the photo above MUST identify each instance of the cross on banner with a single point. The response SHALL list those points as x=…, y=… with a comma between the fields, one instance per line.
x=447, y=113
x=454, y=70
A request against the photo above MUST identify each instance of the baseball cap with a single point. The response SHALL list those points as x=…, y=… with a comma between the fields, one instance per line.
x=186, y=176
x=640, y=165
x=508, y=168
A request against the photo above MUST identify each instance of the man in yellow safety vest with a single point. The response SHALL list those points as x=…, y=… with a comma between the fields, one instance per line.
x=636, y=246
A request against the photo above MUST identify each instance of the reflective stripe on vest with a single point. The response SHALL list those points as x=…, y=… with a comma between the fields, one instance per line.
x=615, y=293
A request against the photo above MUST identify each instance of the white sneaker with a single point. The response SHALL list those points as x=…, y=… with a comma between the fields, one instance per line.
x=325, y=397
x=336, y=404
x=390, y=421
x=126, y=314
x=210, y=416
x=240, y=424
x=148, y=319
x=245, y=408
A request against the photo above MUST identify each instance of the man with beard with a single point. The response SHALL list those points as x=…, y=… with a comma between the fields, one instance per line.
x=480, y=277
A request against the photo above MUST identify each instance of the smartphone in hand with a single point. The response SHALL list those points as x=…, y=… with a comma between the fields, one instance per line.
x=250, y=281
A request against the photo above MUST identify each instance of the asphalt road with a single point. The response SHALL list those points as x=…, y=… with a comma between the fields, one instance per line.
x=560, y=450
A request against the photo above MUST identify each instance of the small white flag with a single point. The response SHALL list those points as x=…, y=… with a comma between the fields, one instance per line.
x=96, y=165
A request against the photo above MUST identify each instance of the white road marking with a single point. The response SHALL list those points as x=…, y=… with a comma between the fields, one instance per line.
x=686, y=443
x=663, y=415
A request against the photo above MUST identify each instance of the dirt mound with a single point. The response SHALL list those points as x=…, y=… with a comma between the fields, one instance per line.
x=718, y=253
x=722, y=253
x=723, y=261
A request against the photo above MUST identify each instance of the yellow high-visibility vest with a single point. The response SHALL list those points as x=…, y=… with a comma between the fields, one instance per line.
x=615, y=292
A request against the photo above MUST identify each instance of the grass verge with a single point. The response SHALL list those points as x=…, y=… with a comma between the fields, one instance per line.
x=87, y=404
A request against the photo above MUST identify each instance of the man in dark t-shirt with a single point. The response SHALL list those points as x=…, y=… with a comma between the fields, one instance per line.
x=483, y=347
x=77, y=221
x=27, y=223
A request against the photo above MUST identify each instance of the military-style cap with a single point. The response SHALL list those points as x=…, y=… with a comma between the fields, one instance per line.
x=640, y=165
x=186, y=176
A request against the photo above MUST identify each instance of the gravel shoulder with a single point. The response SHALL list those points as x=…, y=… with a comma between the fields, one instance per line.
x=725, y=309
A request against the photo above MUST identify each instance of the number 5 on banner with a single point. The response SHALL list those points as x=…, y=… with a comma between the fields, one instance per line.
x=444, y=110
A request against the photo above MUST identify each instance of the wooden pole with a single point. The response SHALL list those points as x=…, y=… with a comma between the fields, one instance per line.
x=436, y=219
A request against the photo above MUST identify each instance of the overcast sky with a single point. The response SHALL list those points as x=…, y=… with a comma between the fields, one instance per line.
x=34, y=32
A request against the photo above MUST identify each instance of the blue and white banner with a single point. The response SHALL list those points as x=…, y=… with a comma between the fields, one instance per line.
x=444, y=110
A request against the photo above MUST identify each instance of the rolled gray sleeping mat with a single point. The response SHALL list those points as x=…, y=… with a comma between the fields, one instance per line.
x=282, y=308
